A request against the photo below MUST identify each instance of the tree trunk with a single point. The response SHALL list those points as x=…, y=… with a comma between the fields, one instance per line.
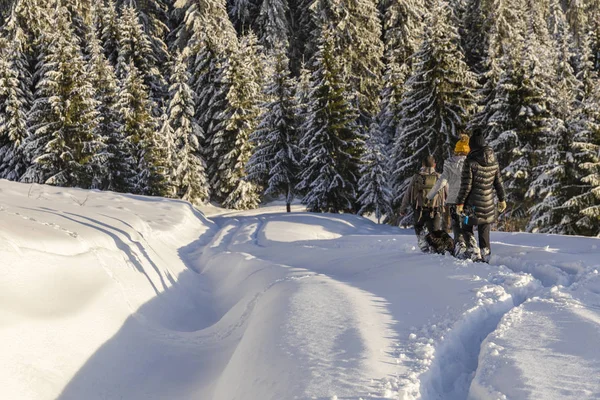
x=288, y=207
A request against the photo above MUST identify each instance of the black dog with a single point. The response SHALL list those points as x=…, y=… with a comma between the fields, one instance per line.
x=440, y=242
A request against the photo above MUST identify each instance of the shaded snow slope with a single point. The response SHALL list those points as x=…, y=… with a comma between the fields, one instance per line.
x=106, y=296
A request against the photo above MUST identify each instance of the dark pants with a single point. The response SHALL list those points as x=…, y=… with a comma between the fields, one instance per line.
x=456, y=225
x=483, y=231
x=427, y=218
x=447, y=221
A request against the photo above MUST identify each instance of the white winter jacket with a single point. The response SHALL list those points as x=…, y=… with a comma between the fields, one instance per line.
x=451, y=177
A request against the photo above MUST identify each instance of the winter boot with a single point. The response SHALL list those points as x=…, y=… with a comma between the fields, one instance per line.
x=460, y=250
x=473, y=252
x=423, y=245
x=485, y=255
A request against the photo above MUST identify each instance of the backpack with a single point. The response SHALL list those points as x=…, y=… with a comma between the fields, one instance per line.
x=424, y=183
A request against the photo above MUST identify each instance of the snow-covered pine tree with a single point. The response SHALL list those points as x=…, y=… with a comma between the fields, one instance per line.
x=210, y=85
x=301, y=26
x=302, y=98
x=209, y=39
x=167, y=135
x=555, y=180
x=356, y=29
x=497, y=29
x=230, y=144
x=154, y=16
x=13, y=128
x=244, y=14
x=521, y=121
x=107, y=21
x=391, y=97
x=117, y=159
x=376, y=194
x=5, y=7
x=438, y=100
x=14, y=104
x=274, y=163
x=204, y=19
x=81, y=21
x=190, y=180
x=273, y=25
x=580, y=212
x=135, y=47
x=139, y=128
x=63, y=143
x=588, y=203
x=403, y=25
x=333, y=145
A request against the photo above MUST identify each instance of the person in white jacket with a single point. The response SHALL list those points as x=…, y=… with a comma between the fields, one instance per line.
x=450, y=180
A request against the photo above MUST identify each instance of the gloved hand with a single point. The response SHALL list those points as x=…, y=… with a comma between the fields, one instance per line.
x=501, y=207
x=459, y=208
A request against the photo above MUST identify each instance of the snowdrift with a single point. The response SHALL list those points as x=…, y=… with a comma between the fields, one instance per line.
x=107, y=296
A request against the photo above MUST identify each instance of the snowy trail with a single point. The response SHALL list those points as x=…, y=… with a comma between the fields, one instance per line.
x=269, y=305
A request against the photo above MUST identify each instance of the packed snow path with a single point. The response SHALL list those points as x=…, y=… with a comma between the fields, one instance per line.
x=106, y=296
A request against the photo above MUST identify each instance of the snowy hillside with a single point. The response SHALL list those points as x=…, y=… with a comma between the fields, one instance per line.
x=108, y=296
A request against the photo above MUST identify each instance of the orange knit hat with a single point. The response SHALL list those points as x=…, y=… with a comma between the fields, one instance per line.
x=462, y=146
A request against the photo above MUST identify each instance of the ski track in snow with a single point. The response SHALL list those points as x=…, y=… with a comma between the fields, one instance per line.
x=449, y=375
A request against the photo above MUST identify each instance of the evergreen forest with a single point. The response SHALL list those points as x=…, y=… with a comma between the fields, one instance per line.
x=334, y=102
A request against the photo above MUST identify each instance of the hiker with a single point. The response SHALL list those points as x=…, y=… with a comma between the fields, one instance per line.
x=450, y=179
x=427, y=212
x=480, y=178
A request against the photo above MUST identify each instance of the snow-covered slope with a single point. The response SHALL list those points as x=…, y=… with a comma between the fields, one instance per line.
x=108, y=296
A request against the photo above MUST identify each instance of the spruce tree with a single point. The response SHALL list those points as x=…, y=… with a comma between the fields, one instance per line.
x=391, y=97
x=521, y=122
x=107, y=22
x=403, y=26
x=117, y=160
x=301, y=28
x=273, y=24
x=555, y=179
x=334, y=149
x=209, y=69
x=135, y=47
x=230, y=145
x=189, y=180
x=204, y=19
x=139, y=129
x=14, y=104
x=438, y=100
x=243, y=14
x=356, y=30
x=167, y=135
x=274, y=163
x=580, y=210
x=497, y=30
x=588, y=203
x=154, y=18
x=376, y=194
x=63, y=143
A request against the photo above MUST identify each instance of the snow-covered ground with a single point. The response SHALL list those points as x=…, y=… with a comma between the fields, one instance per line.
x=108, y=296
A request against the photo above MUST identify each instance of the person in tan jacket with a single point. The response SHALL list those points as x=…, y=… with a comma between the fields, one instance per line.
x=427, y=212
